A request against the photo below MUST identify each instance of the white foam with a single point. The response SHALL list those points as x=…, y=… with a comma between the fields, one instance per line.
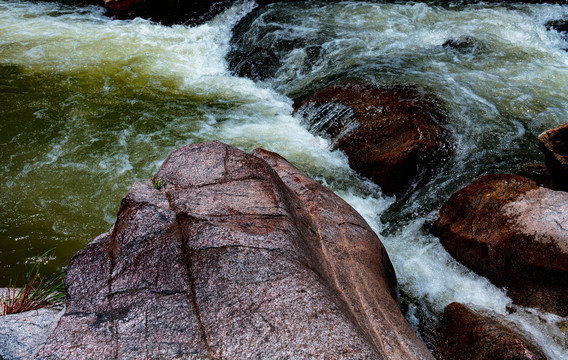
x=486, y=94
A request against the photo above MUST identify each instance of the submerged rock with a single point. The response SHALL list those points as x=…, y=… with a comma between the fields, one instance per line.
x=466, y=334
x=392, y=135
x=465, y=44
x=513, y=232
x=554, y=144
x=560, y=25
x=236, y=256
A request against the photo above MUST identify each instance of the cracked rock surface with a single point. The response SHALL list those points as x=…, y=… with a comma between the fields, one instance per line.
x=515, y=233
x=238, y=256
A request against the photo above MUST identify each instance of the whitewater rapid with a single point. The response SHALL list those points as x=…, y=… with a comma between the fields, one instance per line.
x=89, y=105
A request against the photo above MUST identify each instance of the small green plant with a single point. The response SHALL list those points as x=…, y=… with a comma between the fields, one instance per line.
x=158, y=183
x=36, y=292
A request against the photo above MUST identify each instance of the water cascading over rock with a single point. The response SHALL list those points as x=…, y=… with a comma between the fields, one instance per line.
x=392, y=135
x=170, y=12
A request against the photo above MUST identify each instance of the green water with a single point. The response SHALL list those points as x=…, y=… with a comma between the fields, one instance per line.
x=89, y=105
x=68, y=154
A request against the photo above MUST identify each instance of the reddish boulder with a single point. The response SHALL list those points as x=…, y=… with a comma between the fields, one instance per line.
x=466, y=334
x=513, y=232
x=236, y=256
x=167, y=12
x=392, y=135
x=554, y=144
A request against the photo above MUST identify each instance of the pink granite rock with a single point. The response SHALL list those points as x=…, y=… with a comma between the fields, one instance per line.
x=236, y=256
x=515, y=233
x=467, y=334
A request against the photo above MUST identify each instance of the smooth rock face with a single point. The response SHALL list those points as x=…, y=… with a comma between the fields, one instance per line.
x=466, y=334
x=554, y=144
x=515, y=233
x=22, y=334
x=392, y=135
x=237, y=256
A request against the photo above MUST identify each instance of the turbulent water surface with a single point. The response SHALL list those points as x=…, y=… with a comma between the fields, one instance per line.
x=89, y=105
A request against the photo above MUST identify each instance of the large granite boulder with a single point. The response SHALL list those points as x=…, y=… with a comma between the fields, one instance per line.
x=554, y=144
x=237, y=256
x=467, y=334
x=513, y=232
x=392, y=135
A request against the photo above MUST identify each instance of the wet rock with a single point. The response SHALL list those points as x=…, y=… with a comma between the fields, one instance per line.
x=513, y=232
x=466, y=334
x=554, y=144
x=236, y=256
x=538, y=173
x=22, y=334
x=392, y=135
x=465, y=44
x=560, y=25
x=167, y=12
x=257, y=50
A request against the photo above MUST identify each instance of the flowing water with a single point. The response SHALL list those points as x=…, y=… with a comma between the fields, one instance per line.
x=89, y=105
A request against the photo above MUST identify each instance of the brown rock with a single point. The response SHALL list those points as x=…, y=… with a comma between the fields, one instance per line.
x=515, y=233
x=538, y=173
x=466, y=334
x=237, y=256
x=554, y=144
x=392, y=135
x=167, y=12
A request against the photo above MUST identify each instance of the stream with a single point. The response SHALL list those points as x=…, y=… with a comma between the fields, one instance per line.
x=89, y=105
